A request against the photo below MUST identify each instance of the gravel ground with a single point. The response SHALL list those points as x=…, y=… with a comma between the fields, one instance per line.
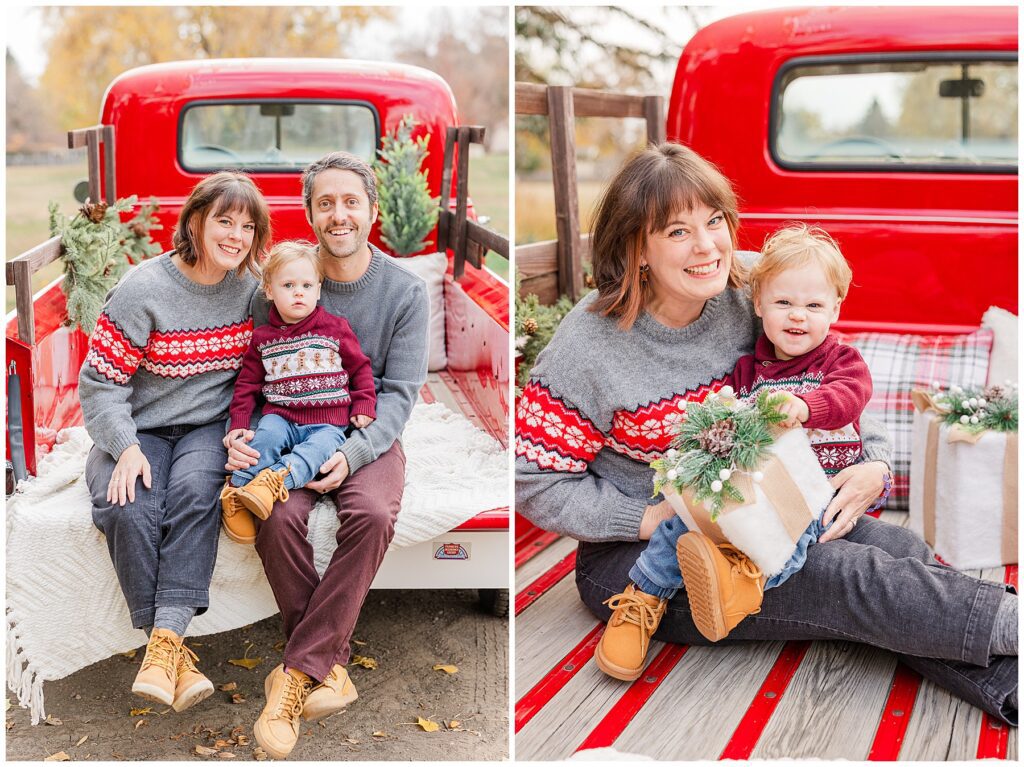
x=405, y=632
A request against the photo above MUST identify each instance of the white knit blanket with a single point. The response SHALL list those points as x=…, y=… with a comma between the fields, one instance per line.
x=65, y=609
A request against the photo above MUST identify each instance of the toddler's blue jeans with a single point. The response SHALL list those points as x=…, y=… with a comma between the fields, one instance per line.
x=282, y=444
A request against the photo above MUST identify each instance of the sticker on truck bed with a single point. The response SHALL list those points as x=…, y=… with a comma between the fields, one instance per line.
x=455, y=551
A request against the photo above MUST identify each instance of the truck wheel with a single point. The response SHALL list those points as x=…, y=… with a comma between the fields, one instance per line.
x=495, y=602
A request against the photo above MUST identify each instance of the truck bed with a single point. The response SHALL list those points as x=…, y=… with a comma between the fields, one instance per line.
x=759, y=701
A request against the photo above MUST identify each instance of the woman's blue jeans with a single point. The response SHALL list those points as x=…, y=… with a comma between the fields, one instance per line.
x=656, y=571
x=164, y=543
x=283, y=444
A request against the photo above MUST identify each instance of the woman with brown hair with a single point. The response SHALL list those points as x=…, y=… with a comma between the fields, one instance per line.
x=155, y=389
x=665, y=326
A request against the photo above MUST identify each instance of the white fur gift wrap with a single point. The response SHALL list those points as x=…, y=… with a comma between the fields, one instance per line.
x=766, y=529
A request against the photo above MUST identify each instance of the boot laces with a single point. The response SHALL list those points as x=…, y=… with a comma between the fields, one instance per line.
x=293, y=696
x=630, y=608
x=275, y=482
x=744, y=565
x=162, y=652
x=187, y=660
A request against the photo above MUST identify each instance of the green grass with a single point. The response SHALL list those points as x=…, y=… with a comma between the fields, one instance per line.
x=488, y=187
x=29, y=190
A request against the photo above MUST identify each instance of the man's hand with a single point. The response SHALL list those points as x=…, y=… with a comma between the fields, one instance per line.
x=794, y=408
x=361, y=421
x=240, y=455
x=336, y=469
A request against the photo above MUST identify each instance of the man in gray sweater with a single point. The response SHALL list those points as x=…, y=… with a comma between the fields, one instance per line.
x=387, y=307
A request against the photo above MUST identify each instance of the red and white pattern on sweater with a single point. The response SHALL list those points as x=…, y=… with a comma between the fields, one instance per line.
x=187, y=353
x=112, y=353
x=558, y=437
x=304, y=371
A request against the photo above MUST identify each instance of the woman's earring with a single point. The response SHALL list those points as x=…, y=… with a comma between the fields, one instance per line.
x=644, y=272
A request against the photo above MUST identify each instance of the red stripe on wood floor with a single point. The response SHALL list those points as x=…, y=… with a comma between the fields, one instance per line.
x=633, y=699
x=749, y=730
x=994, y=737
x=535, y=590
x=529, y=549
x=895, y=716
x=557, y=678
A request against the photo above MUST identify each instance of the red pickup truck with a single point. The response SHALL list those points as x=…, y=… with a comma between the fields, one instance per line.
x=895, y=129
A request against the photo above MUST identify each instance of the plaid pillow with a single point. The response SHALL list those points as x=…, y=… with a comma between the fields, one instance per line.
x=900, y=363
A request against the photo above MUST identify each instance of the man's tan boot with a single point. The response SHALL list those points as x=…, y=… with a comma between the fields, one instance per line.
x=330, y=696
x=237, y=520
x=723, y=585
x=622, y=651
x=277, y=729
x=158, y=675
x=192, y=686
x=259, y=494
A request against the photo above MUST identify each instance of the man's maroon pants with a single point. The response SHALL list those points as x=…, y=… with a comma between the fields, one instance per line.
x=321, y=613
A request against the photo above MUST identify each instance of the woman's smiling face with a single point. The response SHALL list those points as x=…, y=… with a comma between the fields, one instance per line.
x=227, y=238
x=689, y=258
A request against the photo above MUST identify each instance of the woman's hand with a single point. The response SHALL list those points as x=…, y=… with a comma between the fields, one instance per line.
x=129, y=466
x=240, y=455
x=654, y=516
x=859, y=486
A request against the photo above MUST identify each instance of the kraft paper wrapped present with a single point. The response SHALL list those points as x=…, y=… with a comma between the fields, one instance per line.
x=777, y=510
x=963, y=490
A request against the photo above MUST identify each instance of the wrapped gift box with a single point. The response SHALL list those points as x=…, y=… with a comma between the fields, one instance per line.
x=777, y=510
x=963, y=490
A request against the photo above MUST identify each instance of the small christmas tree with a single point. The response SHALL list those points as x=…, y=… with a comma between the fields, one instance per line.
x=98, y=249
x=407, y=211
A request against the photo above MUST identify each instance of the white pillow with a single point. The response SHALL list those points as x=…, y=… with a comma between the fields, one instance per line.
x=1002, y=364
x=431, y=268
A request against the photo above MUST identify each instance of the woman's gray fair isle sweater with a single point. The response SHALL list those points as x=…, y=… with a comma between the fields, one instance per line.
x=601, y=405
x=165, y=352
x=388, y=310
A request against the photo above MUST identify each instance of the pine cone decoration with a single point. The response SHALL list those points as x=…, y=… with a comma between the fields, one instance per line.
x=530, y=326
x=717, y=439
x=994, y=392
x=139, y=230
x=94, y=211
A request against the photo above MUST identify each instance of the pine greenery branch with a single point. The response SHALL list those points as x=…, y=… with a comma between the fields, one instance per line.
x=535, y=324
x=977, y=409
x=98, y=249
x=407, y=211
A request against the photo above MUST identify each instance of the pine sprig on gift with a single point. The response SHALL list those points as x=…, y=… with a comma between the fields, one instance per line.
x=718, y=438
x=976, y=409
x=98, y=249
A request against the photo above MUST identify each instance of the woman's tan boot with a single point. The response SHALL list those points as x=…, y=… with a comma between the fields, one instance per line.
x=723, y=585
x=622, y=651
x=158, y=675
x=192, y=685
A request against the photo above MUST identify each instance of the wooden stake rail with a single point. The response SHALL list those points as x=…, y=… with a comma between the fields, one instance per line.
x=555, y=267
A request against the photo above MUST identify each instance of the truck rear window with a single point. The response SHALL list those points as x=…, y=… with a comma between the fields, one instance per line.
x=944, y=113
x=273, y=135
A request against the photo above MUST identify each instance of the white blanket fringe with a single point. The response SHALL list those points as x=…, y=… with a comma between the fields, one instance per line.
x=64, y=606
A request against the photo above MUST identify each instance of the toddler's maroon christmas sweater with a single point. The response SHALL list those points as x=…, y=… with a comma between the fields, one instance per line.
x=832, y=379
x=309, y=372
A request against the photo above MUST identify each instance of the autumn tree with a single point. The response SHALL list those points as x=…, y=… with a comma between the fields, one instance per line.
x=28, y=124
x=89, y=46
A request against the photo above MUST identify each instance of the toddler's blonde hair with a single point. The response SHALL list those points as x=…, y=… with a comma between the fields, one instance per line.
x=798, y=245
x=284, y=253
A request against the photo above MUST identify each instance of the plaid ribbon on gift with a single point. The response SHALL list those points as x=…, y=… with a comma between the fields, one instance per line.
x=901, y=363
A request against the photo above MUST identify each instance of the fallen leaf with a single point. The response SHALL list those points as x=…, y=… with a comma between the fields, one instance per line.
x=380, y=734
x=242, y=740
x=279, y=646
x=141, y=711
x=353, y=741
x=358, y=643
x=60, y=756
x=259, y=754
x=194, y=643
x=10, y=725
x=364, y=661
x=205, y=750
x=238, y=698
x=8, y=704
x=141, y=723
x=225, y=755
x=130, y=655
x=82, y=740
x=446, y=669
x=454, y=724
x=228, y=687
x=54, y=721
x=249, y=663
x=221, y=744
x=427, y=724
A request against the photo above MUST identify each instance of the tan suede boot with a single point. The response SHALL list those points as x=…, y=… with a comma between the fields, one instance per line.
x=192, y=686
x=722, y=584
x=277, y=728
x=258, y=495
x=237, y=520
x=158, y=675
x=330, y=696
x=622, y=651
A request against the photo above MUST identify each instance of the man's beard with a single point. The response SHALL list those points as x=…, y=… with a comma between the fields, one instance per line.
x=355, y=247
